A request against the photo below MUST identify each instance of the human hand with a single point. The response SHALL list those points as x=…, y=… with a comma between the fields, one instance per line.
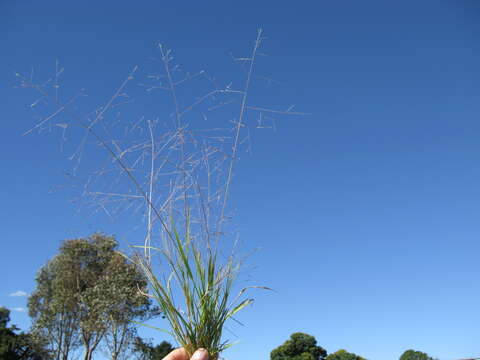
x=181, y=354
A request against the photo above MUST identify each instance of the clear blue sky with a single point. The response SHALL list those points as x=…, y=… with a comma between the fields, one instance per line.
x=366, y=213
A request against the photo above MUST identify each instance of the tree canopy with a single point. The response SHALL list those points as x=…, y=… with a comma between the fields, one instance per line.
x=343, y=355
x=146, y=351
x=86, y=294
x=415, y=355
x=300, y=347
x=21, y=346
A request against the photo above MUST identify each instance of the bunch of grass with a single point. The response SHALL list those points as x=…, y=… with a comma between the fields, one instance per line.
x=205, y=286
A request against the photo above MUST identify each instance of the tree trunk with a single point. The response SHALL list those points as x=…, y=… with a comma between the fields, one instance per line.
x=88, y=354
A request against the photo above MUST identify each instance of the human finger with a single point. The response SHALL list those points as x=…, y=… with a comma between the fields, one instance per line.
x=200, y=354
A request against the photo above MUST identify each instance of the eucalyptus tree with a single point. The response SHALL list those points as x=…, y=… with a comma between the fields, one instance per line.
x=53, y=309
x=88, y=293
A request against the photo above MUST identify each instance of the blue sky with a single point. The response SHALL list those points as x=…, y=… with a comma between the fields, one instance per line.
x=365, y=214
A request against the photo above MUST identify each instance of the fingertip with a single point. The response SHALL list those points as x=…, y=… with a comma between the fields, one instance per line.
x=200, y=354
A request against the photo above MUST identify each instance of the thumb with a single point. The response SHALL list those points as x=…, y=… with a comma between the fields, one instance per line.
x=200, y=354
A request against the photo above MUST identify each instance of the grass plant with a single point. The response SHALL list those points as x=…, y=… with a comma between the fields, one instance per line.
x=204, y=286
x=194, y=284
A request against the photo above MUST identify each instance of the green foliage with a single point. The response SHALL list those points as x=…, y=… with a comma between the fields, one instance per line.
x=415, y=355
x=21, y=346
x=85, y=294
x=300, y=347
x=206, y=292
x=146, y=351
x=343, y=355
x=4, y=317
x=53, y=309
